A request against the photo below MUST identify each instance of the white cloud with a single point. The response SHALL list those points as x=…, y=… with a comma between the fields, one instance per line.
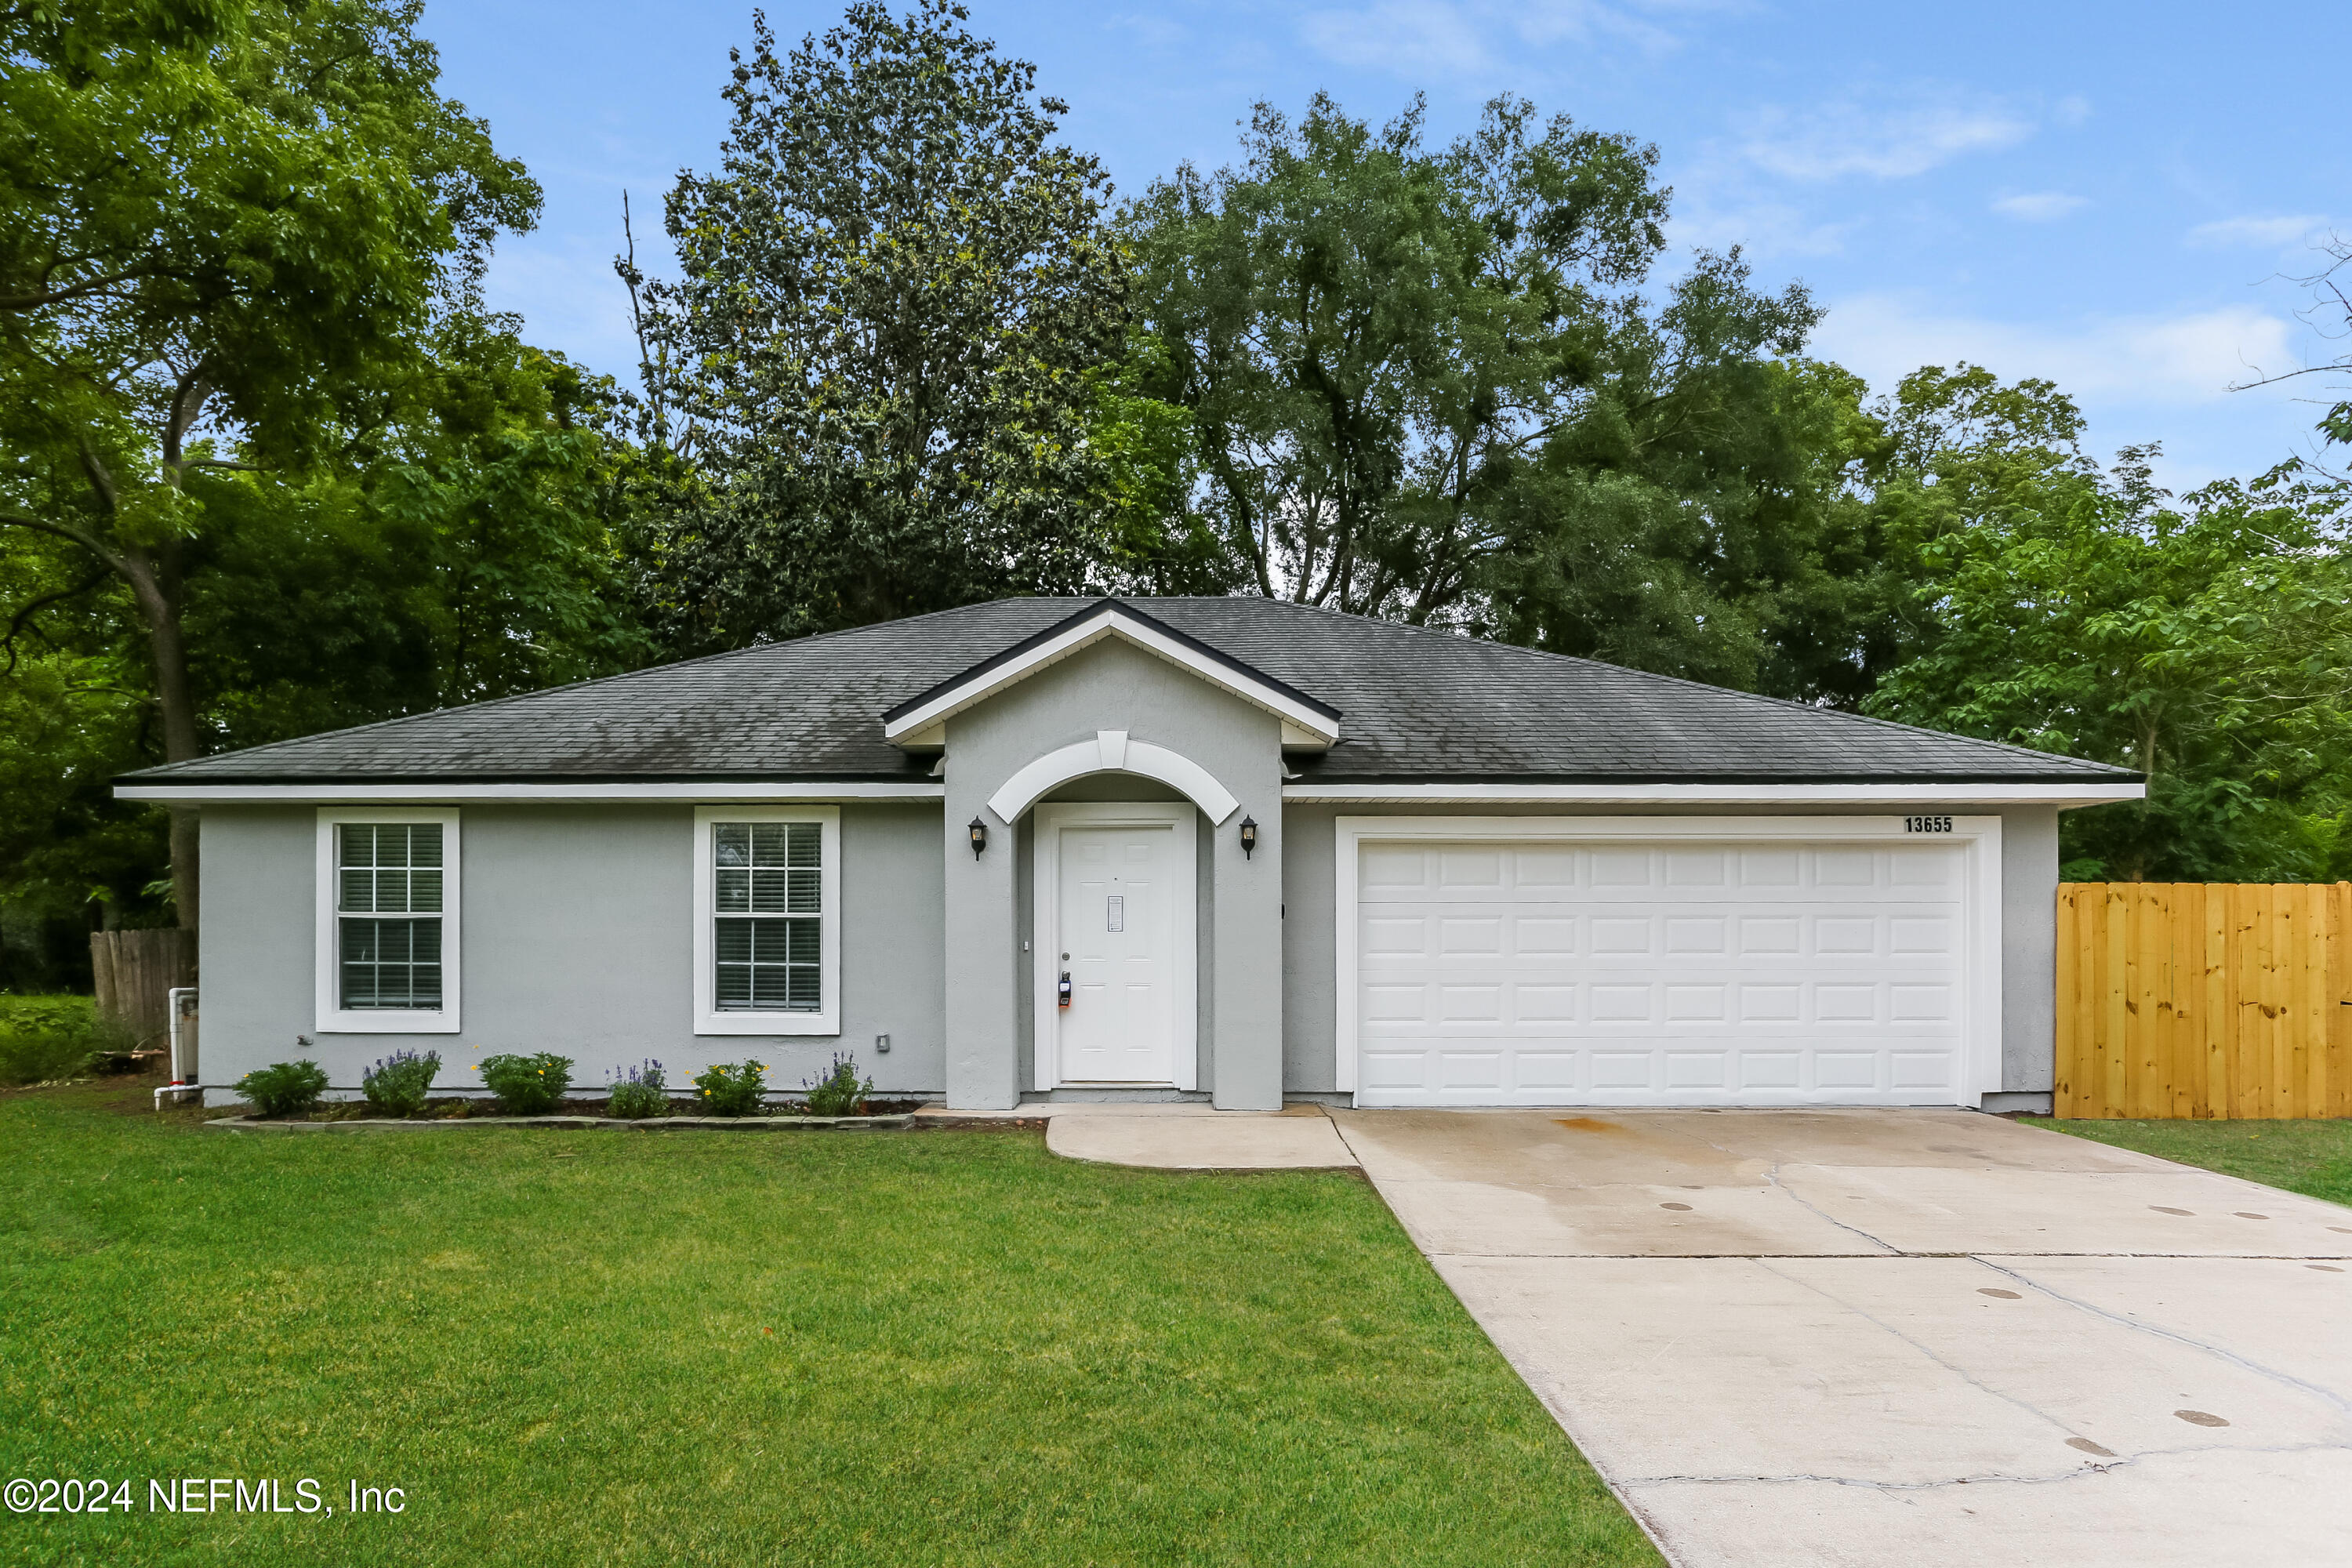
x=1402, y=35
x=1886, y=142
x=1154, y=31
x=1762, y=229
x=2040, y=206
x=1587, y=21
x=1414, y=37
x=2174, y=361
x=2263, y=233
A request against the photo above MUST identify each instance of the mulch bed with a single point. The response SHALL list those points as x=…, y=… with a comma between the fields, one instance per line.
x=569, y=1113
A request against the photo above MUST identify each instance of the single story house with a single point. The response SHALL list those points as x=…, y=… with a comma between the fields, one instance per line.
x=1226, y=848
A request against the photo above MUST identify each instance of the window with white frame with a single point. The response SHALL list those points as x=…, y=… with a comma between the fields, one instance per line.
x=767, y=941
x=388, y=914
x=387, y=921
x=770, y=915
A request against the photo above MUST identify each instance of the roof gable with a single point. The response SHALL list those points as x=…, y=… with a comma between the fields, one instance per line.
x=919, y=722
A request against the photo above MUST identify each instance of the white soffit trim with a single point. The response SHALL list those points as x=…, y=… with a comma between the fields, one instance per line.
x=1312, y=727
x=1718, y=795
x=521, y=794
x=1112, y=752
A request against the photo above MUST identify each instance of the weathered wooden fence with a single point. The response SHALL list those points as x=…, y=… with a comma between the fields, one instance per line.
x=135, y=971
x=2204, y=999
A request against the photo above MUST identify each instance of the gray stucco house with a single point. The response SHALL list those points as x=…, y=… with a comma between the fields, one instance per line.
x=1230, y=848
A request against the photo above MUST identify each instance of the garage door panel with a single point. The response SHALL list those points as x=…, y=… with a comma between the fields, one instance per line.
x=1919, y=933
x=1390, y=1006
x=1763, y=936
x=1480, y=936
x=1921, y=1070
x=1544, y=869
x=1542, y=937
x=1470, y=871
x=1697, y=933
x=1919, y=1004
x=1630, y=974
x=1921, y=866
x=1617, y=868
x=1844, y=868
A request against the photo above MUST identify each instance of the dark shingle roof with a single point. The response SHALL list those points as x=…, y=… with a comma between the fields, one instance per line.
x=1416, y=705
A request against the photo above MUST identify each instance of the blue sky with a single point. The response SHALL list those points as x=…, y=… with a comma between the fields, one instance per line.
x=2115, y=196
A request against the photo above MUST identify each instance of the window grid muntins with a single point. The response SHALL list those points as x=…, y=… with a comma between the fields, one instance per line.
x=389, y=868
x=768, y=912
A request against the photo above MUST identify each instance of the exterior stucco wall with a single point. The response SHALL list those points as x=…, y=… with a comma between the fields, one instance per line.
x=2029, y=949
x=1310, y=938
x=576, y=938
x=1113, y=686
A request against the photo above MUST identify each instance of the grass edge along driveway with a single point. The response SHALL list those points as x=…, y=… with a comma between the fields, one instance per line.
x=602, y=1346
x=2314, y=1157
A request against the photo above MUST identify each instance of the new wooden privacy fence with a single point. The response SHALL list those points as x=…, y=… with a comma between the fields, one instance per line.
x=2204, y=999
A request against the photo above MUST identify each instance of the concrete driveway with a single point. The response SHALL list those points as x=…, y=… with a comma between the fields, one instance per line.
x=1908, y=1337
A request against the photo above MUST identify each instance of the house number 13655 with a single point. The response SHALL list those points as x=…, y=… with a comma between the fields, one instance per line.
x=1927, y=825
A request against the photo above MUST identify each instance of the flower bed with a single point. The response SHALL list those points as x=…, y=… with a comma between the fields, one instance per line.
x=573, y=1112
x=531, y=1090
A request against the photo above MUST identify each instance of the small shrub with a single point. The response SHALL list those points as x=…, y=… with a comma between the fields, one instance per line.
x=284, y=1089
x=639, y=1095
x=839, y=1092
x=731, y=1089
x=395, y=1086
x=46, y=1039
x=526, y=1086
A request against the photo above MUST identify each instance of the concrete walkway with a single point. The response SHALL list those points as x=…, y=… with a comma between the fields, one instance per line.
x=1178, y=1137
x=1903, y=1338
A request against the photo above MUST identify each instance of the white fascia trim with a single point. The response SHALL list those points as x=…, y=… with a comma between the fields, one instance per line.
x=1314, y=727
x=521, y=794
x=333, y=1019
x=707, y=1018
x=1978, y=838
x=1112, y=752
x=1717, y=794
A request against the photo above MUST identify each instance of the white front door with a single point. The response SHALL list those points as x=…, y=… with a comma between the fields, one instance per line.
x=1115, y=916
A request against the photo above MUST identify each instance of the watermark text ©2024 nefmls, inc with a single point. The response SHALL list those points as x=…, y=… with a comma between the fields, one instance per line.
x=198, y=1494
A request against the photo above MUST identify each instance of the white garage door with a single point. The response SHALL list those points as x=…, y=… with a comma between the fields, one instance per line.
x=1676, y=972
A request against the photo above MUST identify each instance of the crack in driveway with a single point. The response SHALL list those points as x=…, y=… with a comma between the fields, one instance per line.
x=2287, y=1379
x=2089, y=1468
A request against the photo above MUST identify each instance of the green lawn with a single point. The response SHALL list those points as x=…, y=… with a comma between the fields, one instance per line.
x=606, y=1347
x=2314, y=1158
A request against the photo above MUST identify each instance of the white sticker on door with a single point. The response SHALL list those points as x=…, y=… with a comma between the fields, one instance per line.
x=1115, y=912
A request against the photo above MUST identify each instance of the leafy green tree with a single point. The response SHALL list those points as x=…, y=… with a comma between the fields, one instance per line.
x=1422, y=385
x=1709, y=516
x=223, y=231
x=2076, y=610
x=461, y=549
x=880, y=356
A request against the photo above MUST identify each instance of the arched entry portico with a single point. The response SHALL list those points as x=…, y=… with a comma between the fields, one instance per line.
x=1110, y=751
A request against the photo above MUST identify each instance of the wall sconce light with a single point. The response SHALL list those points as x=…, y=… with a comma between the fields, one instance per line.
x=979, y=837
x=1249, y=836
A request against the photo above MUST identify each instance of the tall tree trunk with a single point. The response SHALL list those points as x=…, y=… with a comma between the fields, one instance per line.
x=154, y=579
